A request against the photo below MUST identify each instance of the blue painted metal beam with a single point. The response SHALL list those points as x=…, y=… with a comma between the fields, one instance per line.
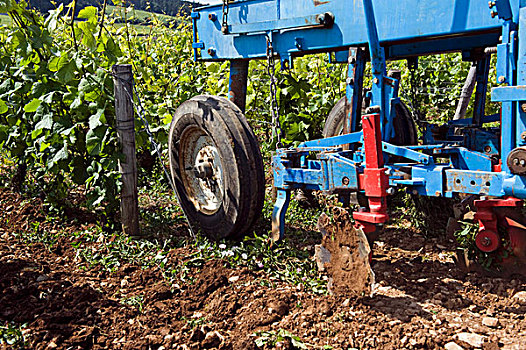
x=398, y=22
x=406, y=153
x=322, y=20
x=334, y=140
x=474, y=182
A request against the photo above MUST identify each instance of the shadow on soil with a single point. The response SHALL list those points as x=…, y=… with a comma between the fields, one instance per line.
x=32, y=295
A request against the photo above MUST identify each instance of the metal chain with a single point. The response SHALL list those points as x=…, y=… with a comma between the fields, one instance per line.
x=414, y=101
x=274, y=108
x=224, y=19
x=140, y=112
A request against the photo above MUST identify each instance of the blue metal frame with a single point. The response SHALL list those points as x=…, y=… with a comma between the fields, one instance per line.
x=471, y=163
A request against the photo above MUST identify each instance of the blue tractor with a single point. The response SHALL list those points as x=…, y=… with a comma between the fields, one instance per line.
x=369, y=151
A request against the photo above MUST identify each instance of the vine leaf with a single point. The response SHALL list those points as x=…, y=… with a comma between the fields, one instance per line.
x=96, y=119
x=66, y=72
x=94, y=140
x=3, y=107
x=89, y=13
x=32, y=106
x=45, y=123
x=62, y=154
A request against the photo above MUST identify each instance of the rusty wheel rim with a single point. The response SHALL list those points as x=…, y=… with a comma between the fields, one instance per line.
x=201, y=170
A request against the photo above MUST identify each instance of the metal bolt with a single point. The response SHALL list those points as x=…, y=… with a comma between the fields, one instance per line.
x=502, y=79
x=516, y=161
x=297, y=42
x=523, y=136
x=211, y=51
x=522, y=162
x=345, y=181
x=212, y=17
x=487, y=149
x=376, y=81
x=390, y=191
x=491, y=4
x=523, y=107
x=494, y=14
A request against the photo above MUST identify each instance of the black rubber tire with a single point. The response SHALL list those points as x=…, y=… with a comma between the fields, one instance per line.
x=242, y=164
x=405, y=128
x=334, y=122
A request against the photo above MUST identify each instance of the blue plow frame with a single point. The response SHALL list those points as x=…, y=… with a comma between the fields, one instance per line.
x=475, y=162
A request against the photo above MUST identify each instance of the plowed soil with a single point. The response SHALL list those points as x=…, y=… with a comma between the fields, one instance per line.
x=422, y=300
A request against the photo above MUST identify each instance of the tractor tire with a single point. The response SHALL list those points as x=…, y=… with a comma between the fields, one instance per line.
x=405, y=128
x=334, y=122
x=216, y=166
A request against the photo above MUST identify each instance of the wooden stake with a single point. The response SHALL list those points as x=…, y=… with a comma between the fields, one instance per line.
x=123, y=77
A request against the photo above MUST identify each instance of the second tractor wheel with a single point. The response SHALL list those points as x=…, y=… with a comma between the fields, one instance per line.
x=405, y=129
x=216, y=166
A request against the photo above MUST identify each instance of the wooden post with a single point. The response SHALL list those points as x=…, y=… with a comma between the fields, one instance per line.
x=122, y=78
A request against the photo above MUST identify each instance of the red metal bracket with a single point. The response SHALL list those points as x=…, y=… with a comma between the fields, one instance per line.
x=374, y=181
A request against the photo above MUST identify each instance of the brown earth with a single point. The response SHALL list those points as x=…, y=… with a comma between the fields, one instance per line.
x=422, y=300
x=348, y=265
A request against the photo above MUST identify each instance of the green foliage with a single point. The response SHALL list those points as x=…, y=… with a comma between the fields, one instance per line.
x=170, y=7
x=438, y=82
x=466, y=239
x=305, y=95
x=116, y=250
x=282, y=262
x=56, y=95
x=12, y=336
x=138, y=16
x=136, y=301
x=5, y=20
x=278, y=339
x=58, y=92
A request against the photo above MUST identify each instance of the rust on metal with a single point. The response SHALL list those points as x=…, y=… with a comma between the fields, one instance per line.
x=319, y=2
x=237, y=90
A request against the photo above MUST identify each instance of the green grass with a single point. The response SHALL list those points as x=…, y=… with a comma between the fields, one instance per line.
x=110, y=250
x=5, y=20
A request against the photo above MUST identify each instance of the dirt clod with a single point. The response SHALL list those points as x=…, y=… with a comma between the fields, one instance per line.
x=348, y=255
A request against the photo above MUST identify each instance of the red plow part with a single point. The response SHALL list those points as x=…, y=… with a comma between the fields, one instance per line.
x=502, y=231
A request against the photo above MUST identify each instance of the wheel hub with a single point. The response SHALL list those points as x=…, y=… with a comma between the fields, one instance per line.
x=487, y=241
x=203, y=174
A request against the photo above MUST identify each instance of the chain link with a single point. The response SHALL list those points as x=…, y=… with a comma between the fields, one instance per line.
x=412, y=65
x=274, y=107
x=140, y=112
x=224, y=19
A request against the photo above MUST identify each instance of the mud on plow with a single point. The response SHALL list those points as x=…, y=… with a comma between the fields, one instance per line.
x=371, y=147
